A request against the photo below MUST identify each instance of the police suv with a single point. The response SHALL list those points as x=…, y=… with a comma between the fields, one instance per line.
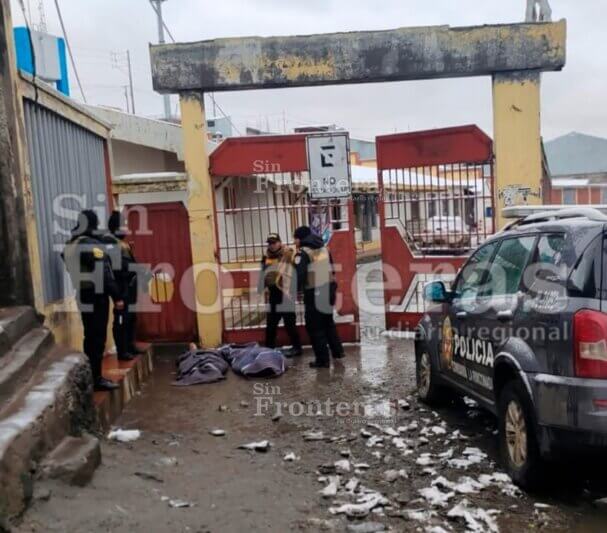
x=523, y=330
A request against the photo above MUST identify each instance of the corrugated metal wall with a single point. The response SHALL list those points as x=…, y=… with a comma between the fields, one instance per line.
x=68, y=174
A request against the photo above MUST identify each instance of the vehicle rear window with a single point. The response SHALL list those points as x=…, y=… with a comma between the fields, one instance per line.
x=585, y=278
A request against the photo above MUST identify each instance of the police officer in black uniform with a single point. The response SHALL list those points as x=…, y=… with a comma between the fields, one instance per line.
x=124, y=266
x=277, y=277
x=316, y=279
x=87, y=261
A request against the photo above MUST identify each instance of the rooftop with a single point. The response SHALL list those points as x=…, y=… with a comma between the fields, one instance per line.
x=576, y=153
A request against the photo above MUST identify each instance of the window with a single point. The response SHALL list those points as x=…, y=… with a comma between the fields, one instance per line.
x=414, y=207
x=432, y=207
x=470, y=280
x=456, y=207
x=585, y=278
x=507, y=267
x=550, y=249
x=445, y=207
x=569, y=196
x=549, y=268
x=229, y=198
x=373, y=210
x=604, y=195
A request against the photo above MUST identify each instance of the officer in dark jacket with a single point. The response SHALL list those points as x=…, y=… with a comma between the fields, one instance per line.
x=124, y=266
x=276, y=276
x=316, y=279
x=87, y=261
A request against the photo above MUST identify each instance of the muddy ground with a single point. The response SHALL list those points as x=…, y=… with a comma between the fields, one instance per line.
x=234, y=490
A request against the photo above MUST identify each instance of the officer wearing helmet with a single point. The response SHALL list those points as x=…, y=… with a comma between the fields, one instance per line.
x=87, y=261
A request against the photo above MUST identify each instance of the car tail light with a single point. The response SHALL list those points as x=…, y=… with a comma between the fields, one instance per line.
x=590, y=340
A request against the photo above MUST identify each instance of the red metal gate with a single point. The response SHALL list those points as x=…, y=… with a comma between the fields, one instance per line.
x=160, y=235
x=436, y=205
x=261, y=186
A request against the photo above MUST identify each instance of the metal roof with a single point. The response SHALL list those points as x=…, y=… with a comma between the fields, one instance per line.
x=576, y=153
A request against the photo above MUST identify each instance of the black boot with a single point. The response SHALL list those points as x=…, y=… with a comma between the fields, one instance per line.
x=316, y=364
x=134, y=350
x=292, y=352
x=105, y=385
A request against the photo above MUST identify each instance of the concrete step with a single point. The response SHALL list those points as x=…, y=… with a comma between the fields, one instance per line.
x=130, y=375
x=56, y=402
x=19, y=364
x=14, y=323
x=74, y=460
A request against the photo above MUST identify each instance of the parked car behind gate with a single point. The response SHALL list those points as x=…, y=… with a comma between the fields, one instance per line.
x=523, y=330
x=450, y=231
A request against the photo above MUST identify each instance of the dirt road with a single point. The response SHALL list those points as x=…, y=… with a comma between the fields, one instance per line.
x=418, y=469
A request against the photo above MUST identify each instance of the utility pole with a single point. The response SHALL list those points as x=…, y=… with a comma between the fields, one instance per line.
x=166, y=97
x=126, y=97
x=128, y=60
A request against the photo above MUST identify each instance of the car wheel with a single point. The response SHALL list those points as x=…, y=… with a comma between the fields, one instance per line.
x=518, y=440
x=427, y=389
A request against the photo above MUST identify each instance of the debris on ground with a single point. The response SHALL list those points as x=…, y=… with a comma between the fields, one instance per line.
x=217, y=432
x=313, y=436
x=180, y=504
x=366, y=527
x=149, y=476
x=124, y=435
x=260, y=446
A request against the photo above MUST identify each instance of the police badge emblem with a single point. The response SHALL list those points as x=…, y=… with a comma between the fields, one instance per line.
x=446, y=348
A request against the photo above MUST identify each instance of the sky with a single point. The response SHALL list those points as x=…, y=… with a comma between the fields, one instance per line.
x=572, y=100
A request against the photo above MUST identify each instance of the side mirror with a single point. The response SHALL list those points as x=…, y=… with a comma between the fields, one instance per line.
x=435, y=292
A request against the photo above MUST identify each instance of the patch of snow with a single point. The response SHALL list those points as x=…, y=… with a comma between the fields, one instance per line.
x=477, y=519
x=331, y=489
x=435, y=497
x=342, y=466
x=363, y=507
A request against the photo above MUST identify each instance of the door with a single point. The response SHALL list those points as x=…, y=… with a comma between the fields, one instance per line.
x=160, y=236
x=491, y=318
x=461, y=343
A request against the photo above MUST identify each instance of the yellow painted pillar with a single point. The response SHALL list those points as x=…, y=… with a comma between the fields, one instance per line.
x=202, y=220
x=517, y=141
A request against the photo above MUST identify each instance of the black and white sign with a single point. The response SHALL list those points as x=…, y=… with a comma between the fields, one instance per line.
x=329, y=165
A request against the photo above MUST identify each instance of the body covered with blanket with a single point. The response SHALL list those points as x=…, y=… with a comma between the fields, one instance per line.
x=197, y=366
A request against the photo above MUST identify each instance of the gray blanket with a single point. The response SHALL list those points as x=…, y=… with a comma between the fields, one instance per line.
x=196, y=367
x=200, y=366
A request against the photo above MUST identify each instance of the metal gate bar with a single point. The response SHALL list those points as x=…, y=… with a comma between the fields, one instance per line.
x=436, y=206
x=255, y=200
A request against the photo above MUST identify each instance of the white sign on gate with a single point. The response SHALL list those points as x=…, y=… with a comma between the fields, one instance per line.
x=329, y=165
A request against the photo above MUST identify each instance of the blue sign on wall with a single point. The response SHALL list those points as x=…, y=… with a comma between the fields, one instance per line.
x=48, y=58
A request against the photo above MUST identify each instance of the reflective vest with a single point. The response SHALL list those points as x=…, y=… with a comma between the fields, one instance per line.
x=320, y=270
x=271, y=271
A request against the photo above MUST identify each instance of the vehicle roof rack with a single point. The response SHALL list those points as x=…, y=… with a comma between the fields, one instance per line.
x=588, y=213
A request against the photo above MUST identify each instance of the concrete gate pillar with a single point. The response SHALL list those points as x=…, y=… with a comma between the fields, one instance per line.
x=202, y=219
x=517, y=140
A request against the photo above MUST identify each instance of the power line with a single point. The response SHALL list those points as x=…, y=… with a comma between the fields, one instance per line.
x=69, y=49
x=212, y=96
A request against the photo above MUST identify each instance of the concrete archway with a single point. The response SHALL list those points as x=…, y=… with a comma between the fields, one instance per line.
x=514, y=55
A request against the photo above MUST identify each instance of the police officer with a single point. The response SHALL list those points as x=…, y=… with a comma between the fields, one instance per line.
x=276, y=276
x=124, y=266
x=316, y=279
x=88, y=264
